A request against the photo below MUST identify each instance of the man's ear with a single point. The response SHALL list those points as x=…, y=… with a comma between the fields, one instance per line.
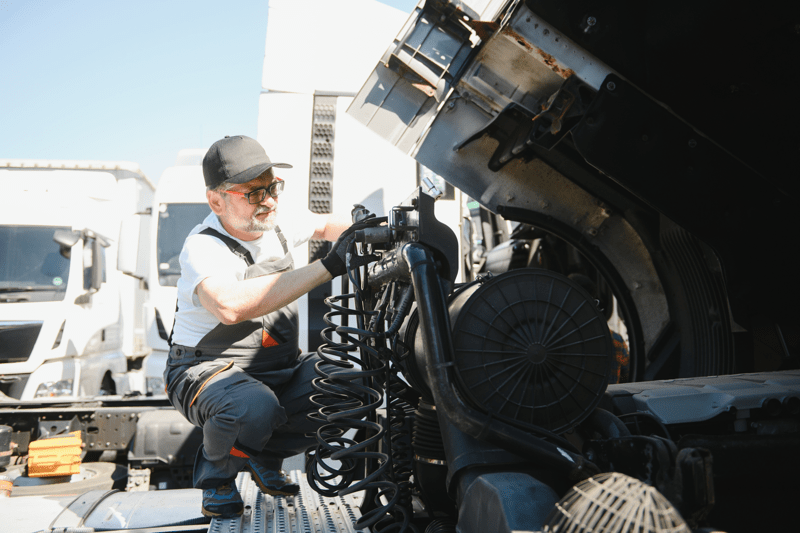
x=216, y=202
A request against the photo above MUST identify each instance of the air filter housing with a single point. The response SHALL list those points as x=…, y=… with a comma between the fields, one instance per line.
x=531, y=348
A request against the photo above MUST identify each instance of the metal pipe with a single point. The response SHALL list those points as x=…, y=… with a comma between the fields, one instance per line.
x=390, y=267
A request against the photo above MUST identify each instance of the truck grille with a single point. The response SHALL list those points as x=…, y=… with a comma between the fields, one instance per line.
x=17, y=340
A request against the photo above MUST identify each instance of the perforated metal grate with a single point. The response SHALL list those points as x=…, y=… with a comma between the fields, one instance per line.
x=320, y=193
x=308, y=512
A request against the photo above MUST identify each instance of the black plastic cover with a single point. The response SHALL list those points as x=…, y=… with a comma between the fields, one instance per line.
x=532, y=349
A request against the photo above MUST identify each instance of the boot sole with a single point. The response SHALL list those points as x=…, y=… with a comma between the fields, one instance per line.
x=212, y=514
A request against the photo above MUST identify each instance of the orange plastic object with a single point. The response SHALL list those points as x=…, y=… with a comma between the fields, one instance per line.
x=5, y=486
x=55, y=456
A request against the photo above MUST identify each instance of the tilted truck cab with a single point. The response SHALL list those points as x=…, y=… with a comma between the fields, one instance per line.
x=612, y=138
x=618, y=133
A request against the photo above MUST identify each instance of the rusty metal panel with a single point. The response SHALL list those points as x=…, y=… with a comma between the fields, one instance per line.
x=414, y=76
x=390, y=106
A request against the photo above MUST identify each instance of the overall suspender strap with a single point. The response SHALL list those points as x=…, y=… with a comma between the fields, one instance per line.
x=175, y=317
x=281, y=238
x=232, y=244
x=237, y=248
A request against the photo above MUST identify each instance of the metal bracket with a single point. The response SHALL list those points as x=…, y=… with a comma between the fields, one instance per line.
x=111, y=429
x=138, y=480
x=518, y=130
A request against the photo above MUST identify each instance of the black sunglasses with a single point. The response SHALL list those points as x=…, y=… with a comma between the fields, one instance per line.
x=257, y=196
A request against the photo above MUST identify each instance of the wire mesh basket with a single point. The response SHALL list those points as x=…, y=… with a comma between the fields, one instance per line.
x=614, y=503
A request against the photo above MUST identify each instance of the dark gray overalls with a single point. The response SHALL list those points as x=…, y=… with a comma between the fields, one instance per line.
x=246, y=385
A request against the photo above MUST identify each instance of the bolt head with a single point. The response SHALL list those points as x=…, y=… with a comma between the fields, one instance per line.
x=611, y=86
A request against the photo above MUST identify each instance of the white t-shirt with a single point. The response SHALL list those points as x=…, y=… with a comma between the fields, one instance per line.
x=204, y=256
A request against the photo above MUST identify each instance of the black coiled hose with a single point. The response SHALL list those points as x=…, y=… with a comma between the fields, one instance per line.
x=344, y=402
x=348, y=394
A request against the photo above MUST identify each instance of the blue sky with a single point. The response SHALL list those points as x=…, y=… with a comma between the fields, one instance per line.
x=129, y=80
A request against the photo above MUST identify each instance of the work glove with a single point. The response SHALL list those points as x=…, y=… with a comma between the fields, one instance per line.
x=336, y=260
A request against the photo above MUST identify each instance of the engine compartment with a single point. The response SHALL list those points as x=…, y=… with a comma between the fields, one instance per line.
x=493, y=404
x=504, y=381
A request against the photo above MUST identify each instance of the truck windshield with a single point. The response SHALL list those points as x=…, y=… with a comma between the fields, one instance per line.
x=175, y=221
x=31, y=265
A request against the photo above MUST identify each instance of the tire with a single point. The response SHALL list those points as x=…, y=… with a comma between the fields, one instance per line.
x=97, y=476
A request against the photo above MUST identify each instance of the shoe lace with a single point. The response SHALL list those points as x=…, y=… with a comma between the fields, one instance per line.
x=225, y=488
x=267, y=473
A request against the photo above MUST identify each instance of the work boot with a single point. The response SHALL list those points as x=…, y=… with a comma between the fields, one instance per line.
x=223, y=501
x=272, y=482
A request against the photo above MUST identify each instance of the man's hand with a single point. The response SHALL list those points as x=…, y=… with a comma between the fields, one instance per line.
x=336, y=262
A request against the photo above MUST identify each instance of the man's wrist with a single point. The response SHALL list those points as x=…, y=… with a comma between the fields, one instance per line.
x=333, y=265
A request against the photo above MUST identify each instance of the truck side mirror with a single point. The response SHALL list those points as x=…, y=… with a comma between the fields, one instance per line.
x=98, y=263
x=66, y=240
x=128, y=248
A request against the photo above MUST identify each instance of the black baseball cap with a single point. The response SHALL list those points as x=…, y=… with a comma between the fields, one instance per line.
x=237, y=159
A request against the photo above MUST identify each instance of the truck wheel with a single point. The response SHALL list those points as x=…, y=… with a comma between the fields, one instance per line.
x=93, y=476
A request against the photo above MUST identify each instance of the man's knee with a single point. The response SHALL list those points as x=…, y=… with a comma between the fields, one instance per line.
x=246, y=400
x=240, y=411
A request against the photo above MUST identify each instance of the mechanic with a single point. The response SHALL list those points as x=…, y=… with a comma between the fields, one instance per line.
x=234, y=367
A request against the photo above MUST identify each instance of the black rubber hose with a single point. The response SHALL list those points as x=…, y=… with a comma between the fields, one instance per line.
x=606, y=424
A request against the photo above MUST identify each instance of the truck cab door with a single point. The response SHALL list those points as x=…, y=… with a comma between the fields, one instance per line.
x=99, y=316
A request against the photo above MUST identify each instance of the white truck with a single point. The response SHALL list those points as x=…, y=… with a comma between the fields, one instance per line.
x=498, y=415
x=179, y=204
x=71, y=277
x=302, y=120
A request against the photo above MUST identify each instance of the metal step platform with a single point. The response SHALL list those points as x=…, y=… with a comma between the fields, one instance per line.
x=308, y=512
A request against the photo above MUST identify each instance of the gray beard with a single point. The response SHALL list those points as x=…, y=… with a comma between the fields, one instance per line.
x=267, y=225
x=253, y=225
x=262, y=226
